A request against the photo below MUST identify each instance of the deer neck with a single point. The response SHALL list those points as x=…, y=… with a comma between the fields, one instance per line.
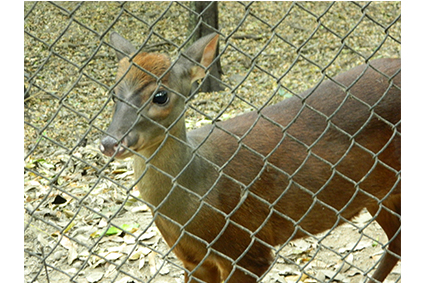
x=156, y=168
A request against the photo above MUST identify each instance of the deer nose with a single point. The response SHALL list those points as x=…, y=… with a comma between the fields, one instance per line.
x=109, y=145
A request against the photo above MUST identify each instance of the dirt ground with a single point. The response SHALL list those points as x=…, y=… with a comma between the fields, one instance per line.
x=343, y=253
x=77, y=203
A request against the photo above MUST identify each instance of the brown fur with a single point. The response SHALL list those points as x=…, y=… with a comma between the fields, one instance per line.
x=318, y=165
x=156, y=64
x=224, y=194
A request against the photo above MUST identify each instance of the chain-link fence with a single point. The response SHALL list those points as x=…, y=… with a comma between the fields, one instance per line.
x=84, y=219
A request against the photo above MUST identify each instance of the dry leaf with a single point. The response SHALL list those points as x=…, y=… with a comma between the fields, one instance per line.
x=72, y=255
x=346, y=264
x=129, y=239
x=110, y=270
x=70, y=246
x=140, y=208
x=336, y=276
x=113, y=255
x=103, y=223
x=66, y=243
x=148, y=235
x=136, y=255
x=117, y=248
x=152, y=263
x=141, y=262
x=94, y=276
x=164, y=270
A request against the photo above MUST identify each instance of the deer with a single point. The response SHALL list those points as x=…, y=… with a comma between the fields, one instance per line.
x=225, y=194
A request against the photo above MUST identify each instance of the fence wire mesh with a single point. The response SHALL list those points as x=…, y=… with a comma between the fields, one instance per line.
x=84, y=219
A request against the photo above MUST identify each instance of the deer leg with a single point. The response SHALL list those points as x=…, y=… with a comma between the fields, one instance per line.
x=390, y=223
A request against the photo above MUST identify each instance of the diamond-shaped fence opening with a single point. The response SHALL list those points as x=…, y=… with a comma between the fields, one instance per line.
x=85, y=220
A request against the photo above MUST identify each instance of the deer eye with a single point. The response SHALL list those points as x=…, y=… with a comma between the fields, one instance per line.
x=161, y=97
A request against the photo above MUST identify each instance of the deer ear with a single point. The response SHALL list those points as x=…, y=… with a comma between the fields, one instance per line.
x=122, y=46
x=202, y=51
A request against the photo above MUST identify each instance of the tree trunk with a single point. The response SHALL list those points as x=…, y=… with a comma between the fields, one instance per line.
x=207, y=13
